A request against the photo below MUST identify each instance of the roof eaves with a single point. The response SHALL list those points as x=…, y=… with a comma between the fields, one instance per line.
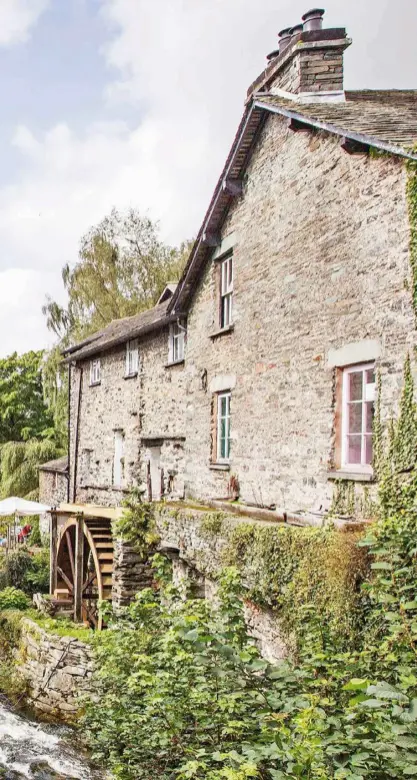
x=367, y=140
x=185, y=284
x=96, y=349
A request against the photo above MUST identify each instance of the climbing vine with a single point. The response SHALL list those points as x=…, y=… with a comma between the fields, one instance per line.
x=412, y=212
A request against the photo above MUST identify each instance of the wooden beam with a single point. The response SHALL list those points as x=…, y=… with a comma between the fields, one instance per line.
x=71, y=554
x=65, y=578
x=354, y=147
x=233, y=187
x=91, y=577
x=79, y=567
x=53, y=554
x=211, y=239
x=295, y=125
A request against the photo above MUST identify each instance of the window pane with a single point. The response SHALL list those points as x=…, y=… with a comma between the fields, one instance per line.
x=368, y=450
x=354, y=449
x=223, y=405
x=355, y=386
x=369, y=417
x=370, y=376
x=355, y=418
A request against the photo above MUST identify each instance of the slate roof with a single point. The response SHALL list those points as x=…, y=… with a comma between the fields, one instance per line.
x=382, y=119
x=59, y=465
x=389, y=117
x=120, y=331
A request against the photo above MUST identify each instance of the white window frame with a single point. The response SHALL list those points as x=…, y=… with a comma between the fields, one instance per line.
x=95, y=372
x=177, y=333
x=367, y=396
x=223, y=458
x=118, y=459
x=132, y=357
x=226, y=292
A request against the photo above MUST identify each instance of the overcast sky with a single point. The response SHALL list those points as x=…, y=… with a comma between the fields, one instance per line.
x=135, y=103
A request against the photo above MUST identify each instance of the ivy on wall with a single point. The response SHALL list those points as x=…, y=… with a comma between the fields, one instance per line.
x=412, y=212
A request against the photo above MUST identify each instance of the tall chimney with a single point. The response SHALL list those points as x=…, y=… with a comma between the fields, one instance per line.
x=310, y=58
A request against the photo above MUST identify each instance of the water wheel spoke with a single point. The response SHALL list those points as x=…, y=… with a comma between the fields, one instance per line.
x=66, y=579
x=71, y=554
x=90, y=579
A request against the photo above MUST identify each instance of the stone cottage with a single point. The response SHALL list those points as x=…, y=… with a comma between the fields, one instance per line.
x=256, y=375
x=127, y=409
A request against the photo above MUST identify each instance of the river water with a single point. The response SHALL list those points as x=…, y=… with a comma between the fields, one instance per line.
x=39, y=752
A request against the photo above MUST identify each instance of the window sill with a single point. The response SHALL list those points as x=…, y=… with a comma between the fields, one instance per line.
x=175, y=363
x=353, y=476
x=219, y=466
x=95, y=384
x=131, y=376
x=222, y=331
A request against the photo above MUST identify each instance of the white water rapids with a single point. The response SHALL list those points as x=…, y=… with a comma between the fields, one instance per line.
x=38, y=752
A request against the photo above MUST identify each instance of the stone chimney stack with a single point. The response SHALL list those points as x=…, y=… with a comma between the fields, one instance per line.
x=309, y=59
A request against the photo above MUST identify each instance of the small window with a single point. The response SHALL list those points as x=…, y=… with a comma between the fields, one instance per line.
x=132, y=358
x=119, y=458
x=358, y=397
x=223, y=427
x=95, y=372
x=177, y=333
x=226, y=292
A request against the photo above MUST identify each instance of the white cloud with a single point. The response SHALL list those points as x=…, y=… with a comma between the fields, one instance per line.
x=17, y=18
x=184, y=65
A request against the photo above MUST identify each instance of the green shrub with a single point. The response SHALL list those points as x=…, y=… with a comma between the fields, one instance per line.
x=28, y=572
x=12, y=598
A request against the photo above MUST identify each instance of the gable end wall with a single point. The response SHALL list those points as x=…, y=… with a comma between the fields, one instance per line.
x=321, y=262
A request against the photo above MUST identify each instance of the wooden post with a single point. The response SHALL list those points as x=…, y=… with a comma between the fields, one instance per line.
x=53, y=553
x=79, y=567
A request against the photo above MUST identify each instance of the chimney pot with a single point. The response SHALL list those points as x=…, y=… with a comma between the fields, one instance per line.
x=313, y=20
x=271, y=56
x=284, y=38
x=296, y=30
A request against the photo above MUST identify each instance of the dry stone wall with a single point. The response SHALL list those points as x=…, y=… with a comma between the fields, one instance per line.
x=57, y=670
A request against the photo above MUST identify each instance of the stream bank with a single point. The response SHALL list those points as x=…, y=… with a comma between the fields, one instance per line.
x=32, y=751
x=53, y=669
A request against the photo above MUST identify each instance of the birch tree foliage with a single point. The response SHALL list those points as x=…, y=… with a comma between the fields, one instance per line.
x=122, y=268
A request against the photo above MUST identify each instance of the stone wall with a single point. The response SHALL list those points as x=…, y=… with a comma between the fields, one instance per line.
x=56, y=669
x=321, y=262
x=131, y=573
x=147, y=408
x=53, y=490
x=197, y=559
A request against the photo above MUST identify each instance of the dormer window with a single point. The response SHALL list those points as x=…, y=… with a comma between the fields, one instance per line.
x=95, y=372
x=177, y=333
x=132, y=357
x=226, y=292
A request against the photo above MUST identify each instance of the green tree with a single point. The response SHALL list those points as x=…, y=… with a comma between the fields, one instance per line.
x=19, y=462
x=23, y=412
x=122, y=269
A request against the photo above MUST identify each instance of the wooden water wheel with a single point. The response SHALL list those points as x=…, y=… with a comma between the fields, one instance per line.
x=96, y=556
